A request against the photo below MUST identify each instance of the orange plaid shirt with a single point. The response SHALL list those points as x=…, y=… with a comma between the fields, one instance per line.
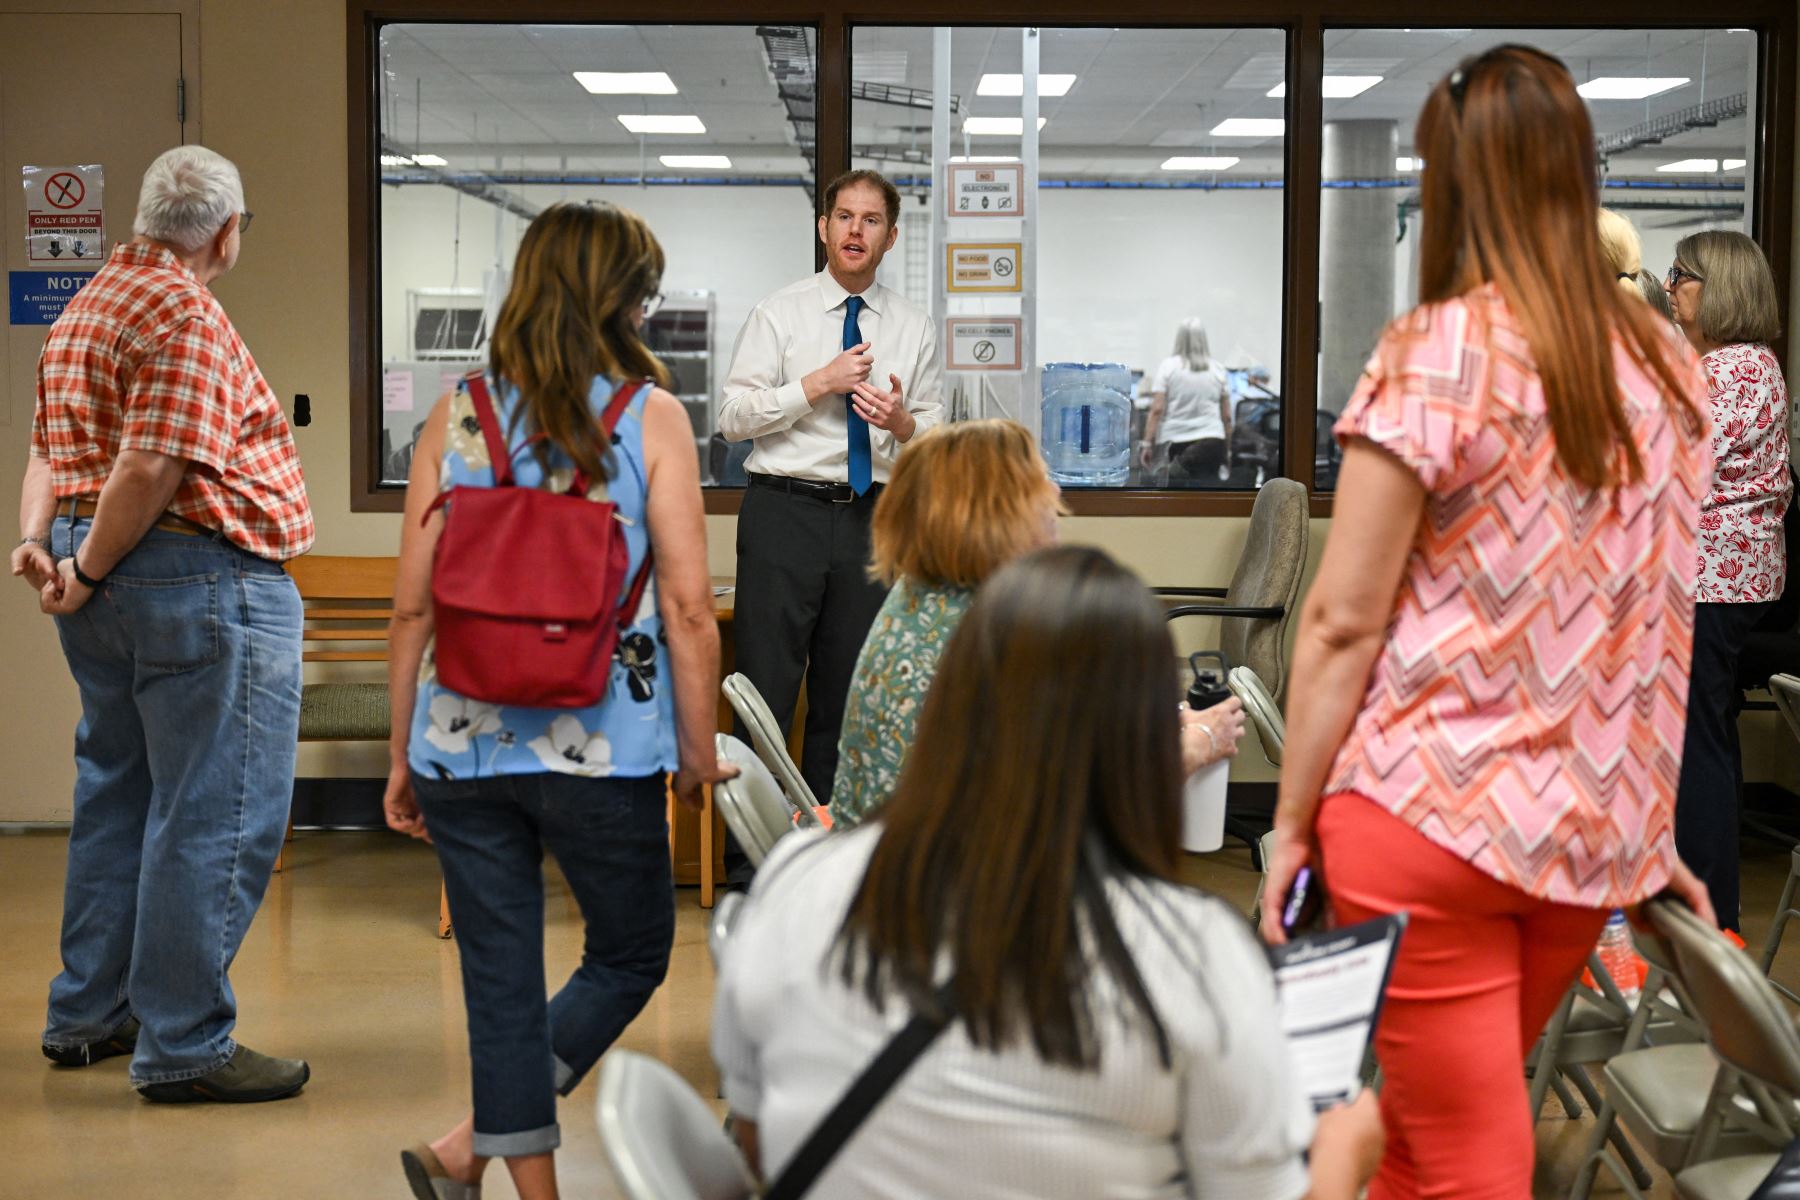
x=144, y=358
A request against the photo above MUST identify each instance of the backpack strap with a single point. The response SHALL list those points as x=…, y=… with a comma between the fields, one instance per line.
x=490, y=427
x=609, y=421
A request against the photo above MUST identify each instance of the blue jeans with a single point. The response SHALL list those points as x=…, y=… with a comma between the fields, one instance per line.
x=188, y=663
x=610, y=836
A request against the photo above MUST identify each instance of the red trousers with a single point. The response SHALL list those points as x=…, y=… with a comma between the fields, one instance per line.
x=1482, y=966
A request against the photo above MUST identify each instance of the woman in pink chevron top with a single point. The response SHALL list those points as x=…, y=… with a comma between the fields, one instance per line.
x=1498, y=638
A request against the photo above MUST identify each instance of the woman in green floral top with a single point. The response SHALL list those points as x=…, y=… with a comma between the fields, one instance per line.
x=964, y=500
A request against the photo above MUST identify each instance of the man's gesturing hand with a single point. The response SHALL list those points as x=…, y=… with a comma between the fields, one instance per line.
x=884, y=410
x=841, y=374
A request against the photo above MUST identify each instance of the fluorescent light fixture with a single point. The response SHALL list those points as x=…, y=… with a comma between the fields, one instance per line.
x=984, y=158
x=627, y=83
x=1334, y=87
x=431, y=160
x=1202, y=163
x=997, y=126
x=1250, y=127
x=1731, y=164
x=720, y=161
x=396, y=160
x=645, y=123
x=1691, y=166
x=1014, y=85
x=1627, y=87
x=1407, y=162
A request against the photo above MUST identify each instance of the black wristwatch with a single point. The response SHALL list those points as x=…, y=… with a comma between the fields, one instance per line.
x=81, y=576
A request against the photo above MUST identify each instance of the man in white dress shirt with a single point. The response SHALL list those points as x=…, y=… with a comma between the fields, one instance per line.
x=831, y=376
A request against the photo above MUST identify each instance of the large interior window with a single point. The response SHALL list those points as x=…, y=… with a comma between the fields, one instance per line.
x=705, y=131
x=1158, y=163
x=1675, y=144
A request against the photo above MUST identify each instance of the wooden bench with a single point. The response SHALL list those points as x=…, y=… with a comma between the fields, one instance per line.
x=348, y=602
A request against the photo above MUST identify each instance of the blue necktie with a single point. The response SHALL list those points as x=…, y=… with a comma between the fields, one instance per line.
x=861, y=470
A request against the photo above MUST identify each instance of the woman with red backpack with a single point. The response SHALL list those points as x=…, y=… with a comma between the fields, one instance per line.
x=554, y=655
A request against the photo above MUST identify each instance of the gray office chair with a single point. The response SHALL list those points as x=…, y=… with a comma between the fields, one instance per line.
x=1254, y=611
x=1758, y=1048
x=751, y=802
x=1261, y=709
x=771, y=747
x=662, y=1139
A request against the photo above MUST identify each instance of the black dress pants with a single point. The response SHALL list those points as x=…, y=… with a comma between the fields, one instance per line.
x=1710, y=797
x=804, y=605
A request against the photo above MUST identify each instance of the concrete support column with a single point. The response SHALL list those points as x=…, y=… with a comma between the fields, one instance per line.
x=1356, y=253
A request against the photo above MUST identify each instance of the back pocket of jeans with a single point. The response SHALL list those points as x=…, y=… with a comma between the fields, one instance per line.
x=174, y=623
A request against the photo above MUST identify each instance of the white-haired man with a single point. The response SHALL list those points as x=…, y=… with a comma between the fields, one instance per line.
x=162, y=495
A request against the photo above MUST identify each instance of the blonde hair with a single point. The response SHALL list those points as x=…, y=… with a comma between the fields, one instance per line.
x=1622, y=249
x=964, y=500
x=1192, y=346
x=1737, y=290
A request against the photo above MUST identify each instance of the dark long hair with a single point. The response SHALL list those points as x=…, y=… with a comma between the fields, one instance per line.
x=582, y=274
x=1046, y=763
x=1509, y=196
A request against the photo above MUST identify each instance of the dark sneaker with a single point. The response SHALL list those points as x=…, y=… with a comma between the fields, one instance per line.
x=122, y=1041
x=247, y=1079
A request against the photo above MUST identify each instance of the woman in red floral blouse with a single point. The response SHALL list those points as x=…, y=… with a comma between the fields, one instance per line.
x=1724, y=300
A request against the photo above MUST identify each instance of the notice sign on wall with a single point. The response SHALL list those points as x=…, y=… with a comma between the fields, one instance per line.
x=983, y=343
x=982, y=266
x=38, y=297
x=985, y=189
x=63, y=218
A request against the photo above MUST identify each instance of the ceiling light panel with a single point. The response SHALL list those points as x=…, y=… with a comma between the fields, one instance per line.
x=431, y=160
x=1201, y=163
x=1014, y=85
x=1628, y=87
x=720, y=162
x=1250, y=127
x=647, y=123
x=1334, y=87
x=1691, y=166
x=627, y=83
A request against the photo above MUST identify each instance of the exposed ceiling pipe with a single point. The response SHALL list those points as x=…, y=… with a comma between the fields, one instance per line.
x=470, y=183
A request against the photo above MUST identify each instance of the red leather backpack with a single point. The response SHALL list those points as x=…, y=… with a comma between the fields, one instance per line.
x=525, y=583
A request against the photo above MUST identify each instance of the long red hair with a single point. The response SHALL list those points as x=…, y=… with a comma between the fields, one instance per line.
x=1509, y=197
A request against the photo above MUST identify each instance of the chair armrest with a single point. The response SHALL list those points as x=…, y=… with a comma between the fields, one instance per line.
x=1216, y=592
x=1222, y=610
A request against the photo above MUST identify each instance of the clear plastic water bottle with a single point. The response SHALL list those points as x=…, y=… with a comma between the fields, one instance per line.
x=1087, y=423
x=1617, y=955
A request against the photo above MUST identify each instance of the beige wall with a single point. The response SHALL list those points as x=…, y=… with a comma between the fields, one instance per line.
x=274, y=101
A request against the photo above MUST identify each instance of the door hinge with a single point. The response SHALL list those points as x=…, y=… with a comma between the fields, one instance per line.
x=181, y=100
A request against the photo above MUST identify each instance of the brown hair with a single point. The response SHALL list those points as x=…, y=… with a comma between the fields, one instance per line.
x=582, y=274
x=964, y=500
x=1045, y=765
x=890, y=195
x=1737, y=290
x=1509, y=197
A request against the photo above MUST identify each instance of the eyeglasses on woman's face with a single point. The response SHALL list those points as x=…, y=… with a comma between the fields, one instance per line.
x=653, y=304
x=244, y=222
x=1676, y=275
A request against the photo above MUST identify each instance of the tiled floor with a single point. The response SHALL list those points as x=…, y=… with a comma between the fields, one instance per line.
x=342, y=967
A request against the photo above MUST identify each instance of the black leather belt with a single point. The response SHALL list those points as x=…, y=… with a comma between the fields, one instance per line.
x=836, y=493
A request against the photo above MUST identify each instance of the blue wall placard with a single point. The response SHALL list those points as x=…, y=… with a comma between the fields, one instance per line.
x=38, y=297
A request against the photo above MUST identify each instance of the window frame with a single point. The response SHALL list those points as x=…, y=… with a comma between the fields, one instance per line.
x=1303, y=22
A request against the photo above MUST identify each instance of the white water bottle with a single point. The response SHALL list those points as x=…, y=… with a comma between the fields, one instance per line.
x=1617, y=955
x=1203, y=796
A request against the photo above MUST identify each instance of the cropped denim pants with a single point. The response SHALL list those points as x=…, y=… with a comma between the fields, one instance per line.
x=610, y=836
x=188, y=663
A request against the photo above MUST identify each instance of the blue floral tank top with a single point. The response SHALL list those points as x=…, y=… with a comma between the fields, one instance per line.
x=631, y=732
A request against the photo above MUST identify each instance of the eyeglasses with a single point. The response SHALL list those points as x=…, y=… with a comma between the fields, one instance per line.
x=1676, y=275
x=653, y=304
x=244, y=222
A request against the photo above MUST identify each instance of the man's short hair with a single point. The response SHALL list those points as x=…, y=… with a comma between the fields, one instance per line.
x=875, y=179
x=188, y=195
